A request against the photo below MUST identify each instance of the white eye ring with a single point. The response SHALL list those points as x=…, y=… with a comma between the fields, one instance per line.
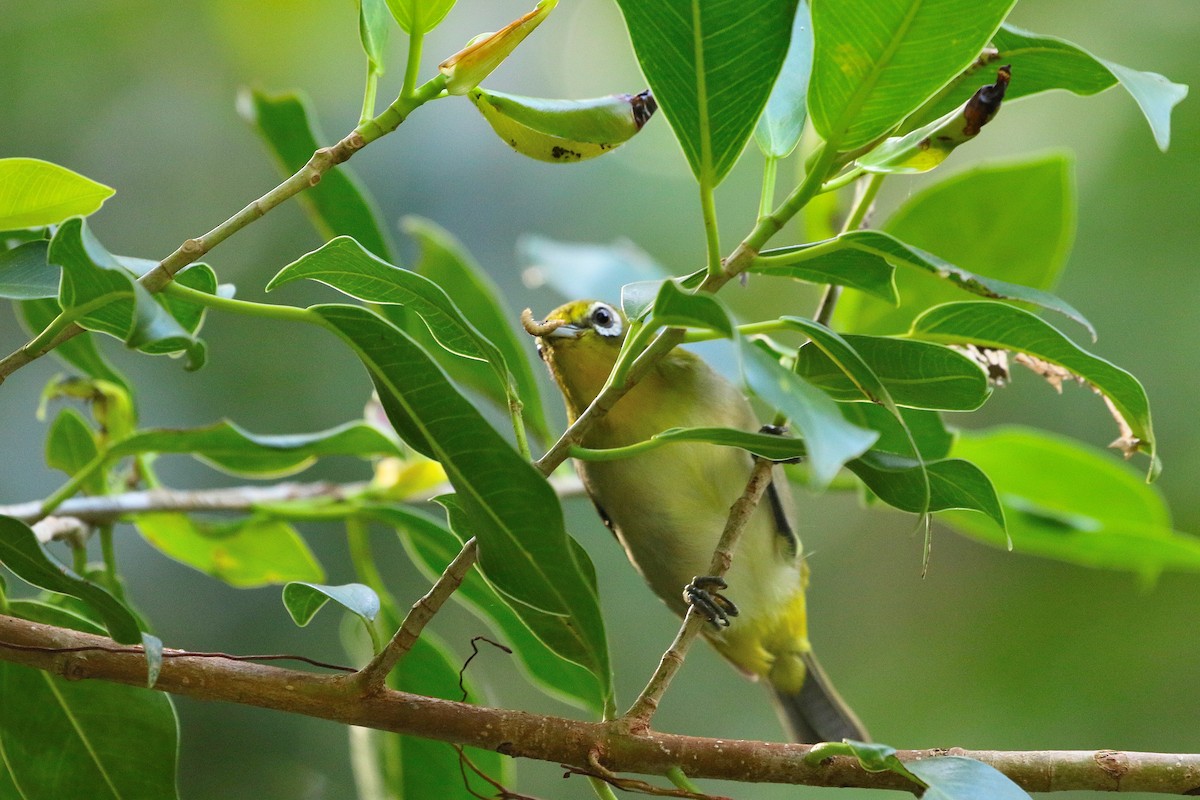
x=604, y=319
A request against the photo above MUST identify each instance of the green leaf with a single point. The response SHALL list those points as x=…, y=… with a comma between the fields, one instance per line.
x=102, y=295
x=343, y=264
x=1072, y=502
x=1005, y=327
x=229, y=448
x=432, y=546
x=71, y=446
x=832, y=261
x=36, y=193
x=419, y=16
x=952, y=484
x=1009, y=220
x=925, y=429
x=782, y=121
x=585, y=271
x=916, y=374
x=958, y=778
x=711, y=66
x=188, y=314
x=830, y=439
x=304, y=600
x=374, y=25
x=80, y=352
x=25, y=557
x=673, y=306
x=1045, y=63
x=247, y=553
x=337, y=206
x=902, y=254
x=445, y=262
x=509, y=507
x=25, y=274
x=108, y=741
x=875, y=61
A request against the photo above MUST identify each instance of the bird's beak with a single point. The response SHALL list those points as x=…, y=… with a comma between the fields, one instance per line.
x=564, y=332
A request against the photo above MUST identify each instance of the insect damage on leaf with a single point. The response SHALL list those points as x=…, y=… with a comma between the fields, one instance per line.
x=995, y=363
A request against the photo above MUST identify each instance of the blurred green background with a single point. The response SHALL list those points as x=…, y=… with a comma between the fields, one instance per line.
x=990, y=650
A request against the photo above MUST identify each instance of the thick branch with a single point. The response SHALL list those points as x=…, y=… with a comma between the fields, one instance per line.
x=557, y=740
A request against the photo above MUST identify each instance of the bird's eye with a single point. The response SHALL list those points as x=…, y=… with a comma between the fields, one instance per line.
x=605, y=320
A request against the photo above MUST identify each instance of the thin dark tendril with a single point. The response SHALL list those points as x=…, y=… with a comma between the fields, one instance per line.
x=470, y=658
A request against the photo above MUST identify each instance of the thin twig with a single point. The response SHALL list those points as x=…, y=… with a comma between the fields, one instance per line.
x=371, y=678
x=637, y=718
x=565, y=741
x=110, y=508
x=323, y=160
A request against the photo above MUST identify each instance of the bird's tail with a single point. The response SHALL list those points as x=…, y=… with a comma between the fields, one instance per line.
x=817, y=713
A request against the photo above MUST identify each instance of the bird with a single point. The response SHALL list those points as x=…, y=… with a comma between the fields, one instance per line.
x=668, y=507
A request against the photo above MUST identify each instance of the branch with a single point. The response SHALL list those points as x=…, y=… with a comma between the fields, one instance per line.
x=637, y=718
x=371, y=678
x=323, y=160
x=562, y=741
x=111, y=508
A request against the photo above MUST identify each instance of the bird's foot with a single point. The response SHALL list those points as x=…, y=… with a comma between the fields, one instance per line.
x=703, y=593
x=780, y=430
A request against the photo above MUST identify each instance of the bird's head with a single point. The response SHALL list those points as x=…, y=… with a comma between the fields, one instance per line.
x=579, y=341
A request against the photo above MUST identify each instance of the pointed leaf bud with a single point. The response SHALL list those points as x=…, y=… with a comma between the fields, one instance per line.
x=466, y=68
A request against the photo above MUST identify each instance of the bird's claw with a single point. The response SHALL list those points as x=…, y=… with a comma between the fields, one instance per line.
x=703, y=594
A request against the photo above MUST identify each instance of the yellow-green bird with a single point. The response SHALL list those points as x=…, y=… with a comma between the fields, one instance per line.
x=668, y=507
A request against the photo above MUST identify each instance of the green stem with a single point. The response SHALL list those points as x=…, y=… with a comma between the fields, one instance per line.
x=615, y=453
x=766, y=200
x=602, y=789
x=368, y=107
x=413, y=67
x=633, y=346
x=677, y=776
x=79, y=555
x=243, y=307
x=712, y=237
x=749, y=329
x=862, y=205
x=109, y=553
x=845, y=179
x=358, y=537
x=515, y=407
x=72, y=486
x=391, y=117
x=772, y=223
